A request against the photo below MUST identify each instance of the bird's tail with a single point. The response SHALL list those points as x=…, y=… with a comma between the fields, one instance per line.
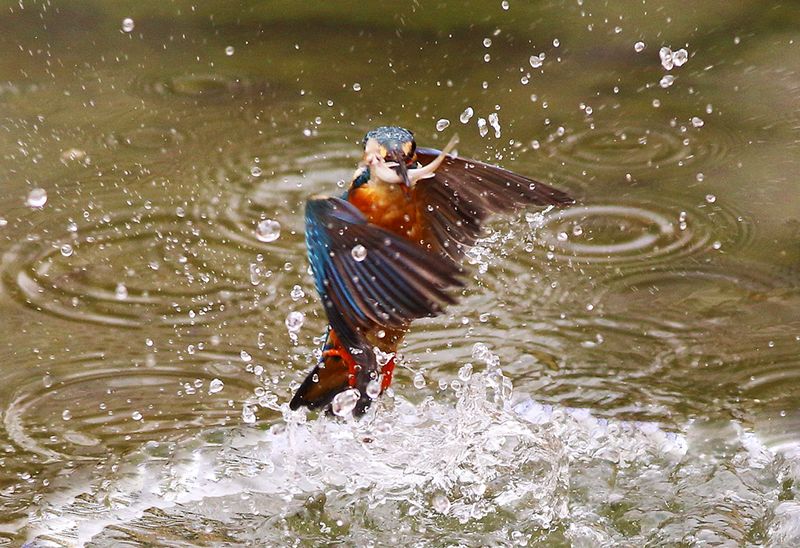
x=336, y=372
x=329, y=377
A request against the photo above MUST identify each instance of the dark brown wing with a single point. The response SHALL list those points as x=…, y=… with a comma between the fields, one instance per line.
x=463, y=193
x=395, y=282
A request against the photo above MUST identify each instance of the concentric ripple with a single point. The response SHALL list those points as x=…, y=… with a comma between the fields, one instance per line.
x=208, y=86
x=635, y=148
x=641, y=233
x=154, y=269
x=147, y=138
x=272, y=175
x=103, y=404
x=699, y=293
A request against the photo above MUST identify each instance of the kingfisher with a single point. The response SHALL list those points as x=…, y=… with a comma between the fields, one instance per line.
x=389, y=251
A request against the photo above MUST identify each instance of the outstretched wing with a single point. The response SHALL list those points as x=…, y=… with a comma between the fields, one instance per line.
x=463, y=193
x=387, y=285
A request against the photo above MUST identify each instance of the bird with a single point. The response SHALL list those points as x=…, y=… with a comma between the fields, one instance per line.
x=389, y=251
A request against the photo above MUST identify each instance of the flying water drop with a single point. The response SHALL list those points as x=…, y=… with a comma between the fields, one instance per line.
x=127, y=24
x=344, y=402
x=666, y=81
x=248, y=414
x=359, y=252
x=494, y=121
x=374, y=388
x=440, y=503
x=37, y=197
x=483, y=129
x=121, y=292
x=442, y=124
x=294, y=321
x=466, y=116
x=297, y=293
x=268, y=230
x=215, y=386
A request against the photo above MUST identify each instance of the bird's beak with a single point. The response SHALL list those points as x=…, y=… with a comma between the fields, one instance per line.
x=401, y=168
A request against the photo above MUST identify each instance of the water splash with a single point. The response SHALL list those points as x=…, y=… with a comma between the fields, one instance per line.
x=505, y=469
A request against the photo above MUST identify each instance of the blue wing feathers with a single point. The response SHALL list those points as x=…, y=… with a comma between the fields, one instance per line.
x=396, y=283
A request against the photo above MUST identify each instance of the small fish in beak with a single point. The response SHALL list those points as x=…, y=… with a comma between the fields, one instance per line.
x=397, y=172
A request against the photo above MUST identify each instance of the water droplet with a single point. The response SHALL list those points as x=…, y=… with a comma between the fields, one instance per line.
x=535, y=61
x=248, y=414
x=666, y=81
x=577, y=230
x=121, y=292
x=556, y=42
x=483, y=129
x=215, y=386
x=245, y=356
x=680, y=57
x=229, y=51
x=442, y=124
x=465, y=373
x=697, y=122
x=294, y=321
x=665, y=54
x=127, y=24
x=710, y=198
x=487, y=42
x=359, y=252
x=505, y=5
x=255, y=273
x=494, y=121
x=374, y=388
x=66, y=250
x=639, y=47
x=356, y=87
x=441, y=504
x=256, y=171
x=268, y=230
x=36, y=199
x=344, y=402
x=136, y=416
x=419, y=380
x=466, y=116
x=66, y=414
x=3, y=222
x=297, y=293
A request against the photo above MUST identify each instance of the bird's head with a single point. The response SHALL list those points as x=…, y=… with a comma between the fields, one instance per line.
x=390, y=151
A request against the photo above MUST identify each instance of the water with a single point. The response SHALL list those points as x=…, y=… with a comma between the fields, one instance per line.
x=622, y=372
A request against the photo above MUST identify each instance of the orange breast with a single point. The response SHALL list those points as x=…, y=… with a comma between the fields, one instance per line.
x=389, y=207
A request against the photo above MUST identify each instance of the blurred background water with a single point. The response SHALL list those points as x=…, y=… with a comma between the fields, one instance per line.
x=651, y=333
